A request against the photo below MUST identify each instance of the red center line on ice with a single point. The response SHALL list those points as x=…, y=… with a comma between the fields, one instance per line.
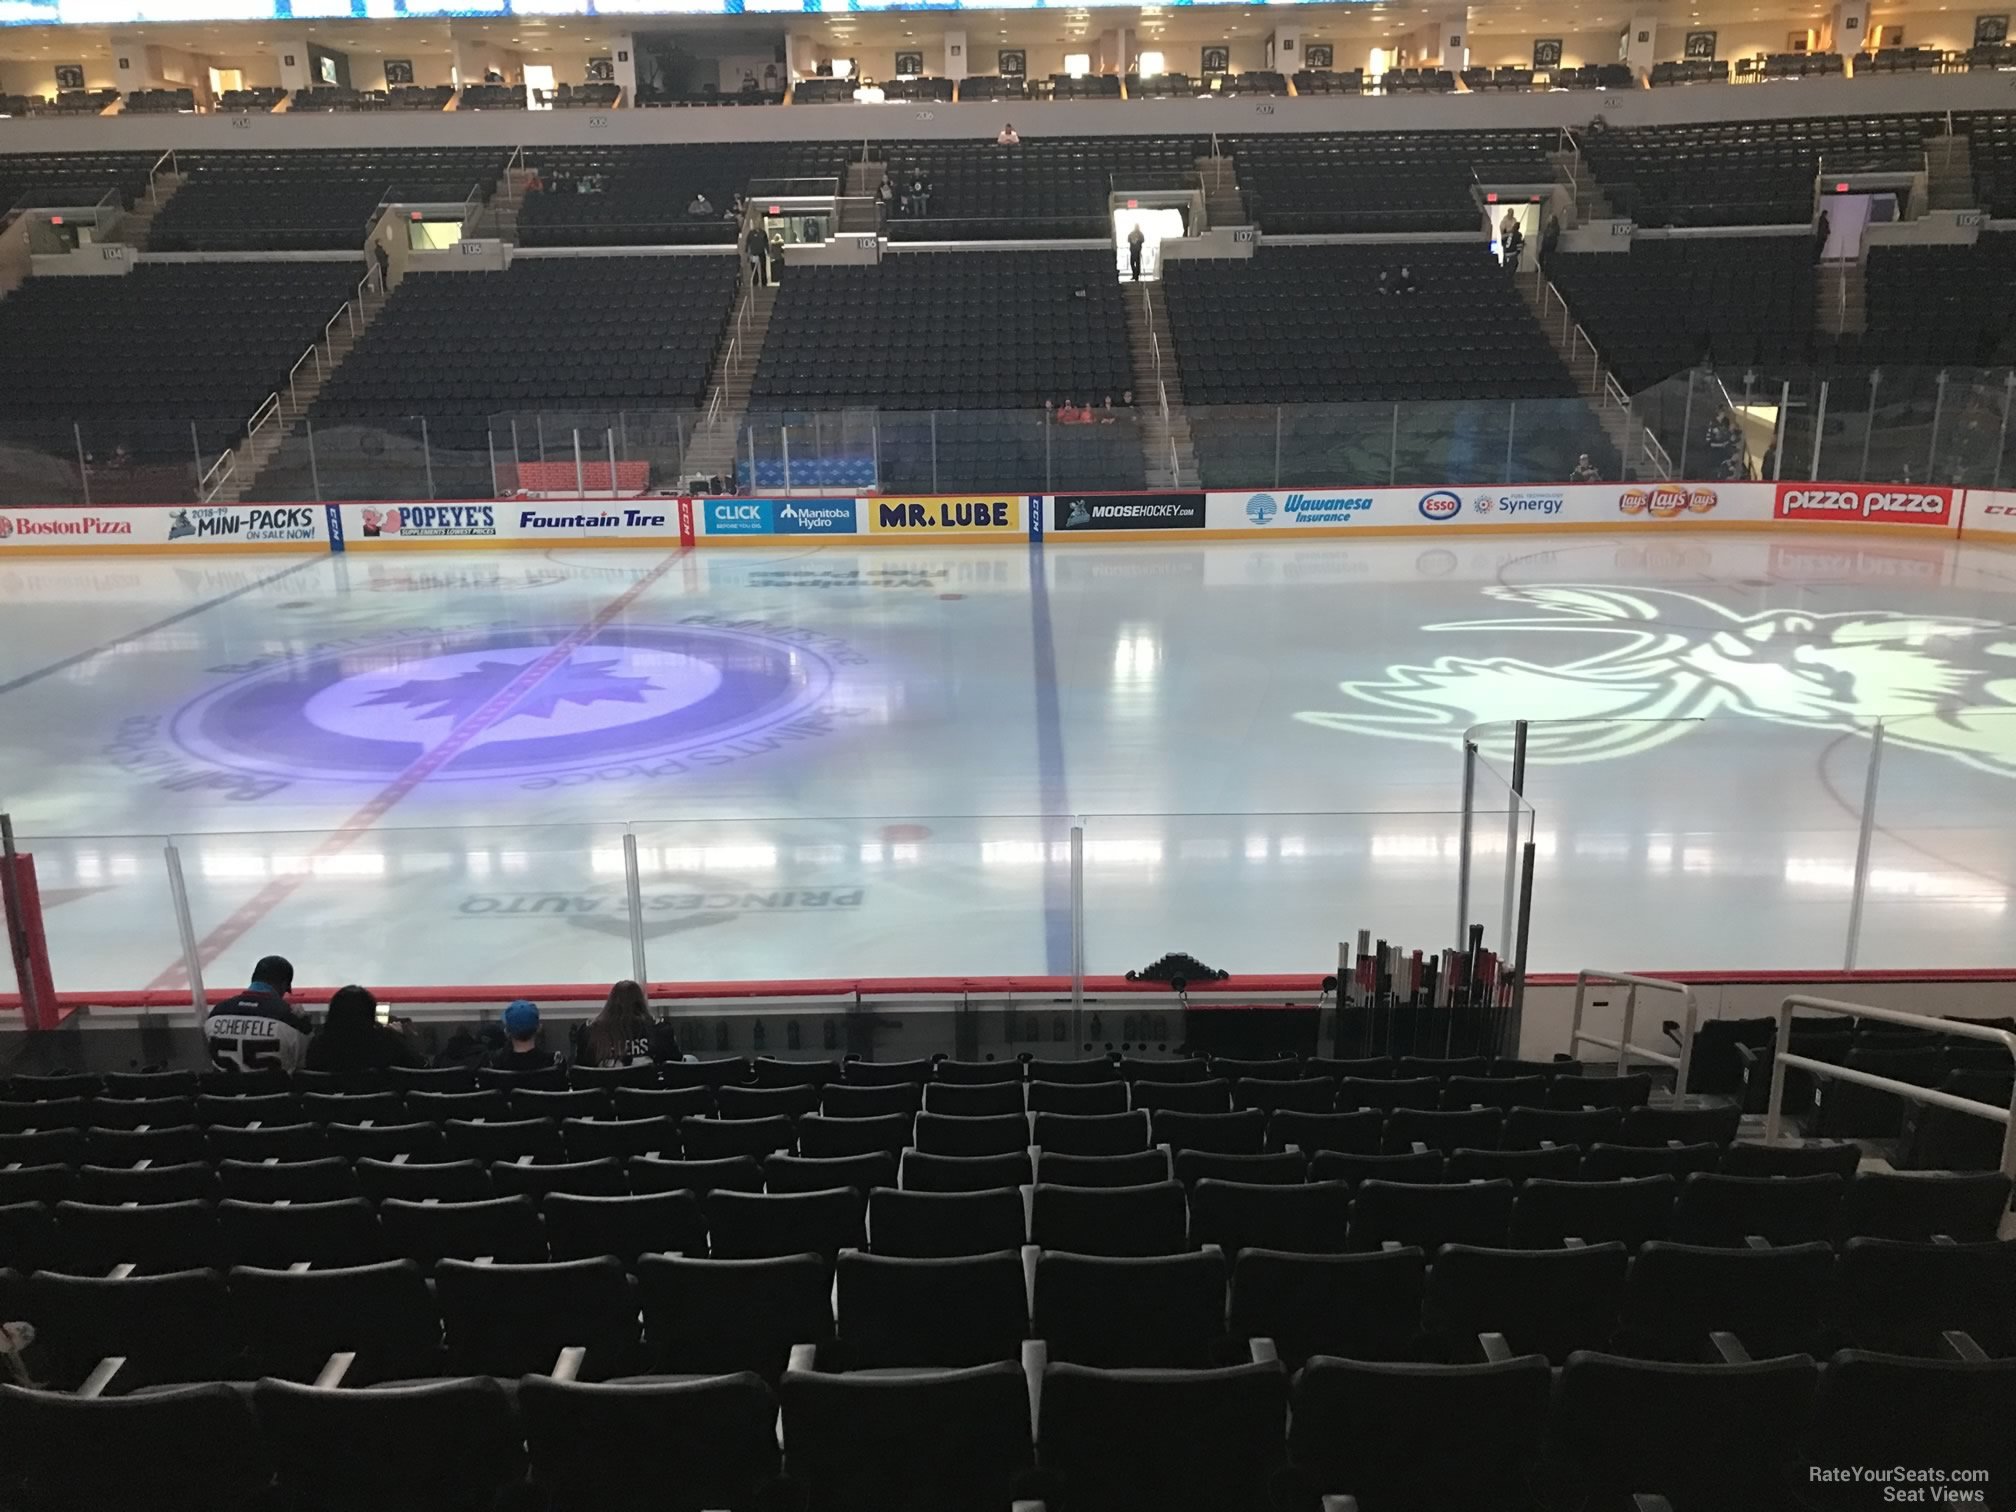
x=479, y=722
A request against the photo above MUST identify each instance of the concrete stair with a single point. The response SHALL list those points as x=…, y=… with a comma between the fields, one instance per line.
x=499, y=218
x=1841, y=298
x=251, y=456
x=1950, y=183
x=859, y=213
x=1168, y=451
x=1224, y=200
x=712, y=449
x=1586, y=366
x=136, y=226
x=1590, y=202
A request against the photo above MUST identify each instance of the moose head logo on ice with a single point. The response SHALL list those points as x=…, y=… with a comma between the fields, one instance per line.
x=1635, y=667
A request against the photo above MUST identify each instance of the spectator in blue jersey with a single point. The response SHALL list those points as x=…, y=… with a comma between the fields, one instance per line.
x=521, y=1050
x=258, y=1030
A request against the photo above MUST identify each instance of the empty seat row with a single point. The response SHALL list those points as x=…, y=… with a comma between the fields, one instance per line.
x=601, y=1209
x=1233, y=1439
x=872, y=1311
x=762, y=1071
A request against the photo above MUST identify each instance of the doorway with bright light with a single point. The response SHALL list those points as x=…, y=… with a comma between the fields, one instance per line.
x=1156, y=223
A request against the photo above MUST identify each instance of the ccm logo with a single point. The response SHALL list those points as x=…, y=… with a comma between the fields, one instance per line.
x=2000, y=509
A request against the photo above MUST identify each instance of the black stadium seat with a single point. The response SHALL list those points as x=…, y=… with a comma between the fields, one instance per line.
x=450, y=1445
x=984, y=1099
x=57, y=1444
x=294, y=1320
x=1165, y=1312
x=800, y=1173
x=1529, y=1128
x=1363, y=1307
x=1311, y=1218
x=1412, y=1435
x=971, y=1173
x=932, y=1438
x=656, y=1223
x=926, y=1225
x=1544, y=1302
x=719, y=1316
x=714, y=1439
x=1185, y=1440
x=1129, y=1220
x=1731, y=1210
x=896, y=1312
x=1757, y=1412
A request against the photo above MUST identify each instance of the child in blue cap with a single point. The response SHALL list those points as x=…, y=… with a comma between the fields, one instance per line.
x=521, y=1050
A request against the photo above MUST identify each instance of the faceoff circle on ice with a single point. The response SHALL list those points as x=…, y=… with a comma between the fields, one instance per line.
x=629, y=693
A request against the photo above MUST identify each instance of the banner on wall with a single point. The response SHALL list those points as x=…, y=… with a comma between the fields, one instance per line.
x=993, y=515
x=733, y=517
x=1989, y=512
x=1570, y=504
x=353, y=527
x=1863, y=504
x=1070, y=514
x=195, y=528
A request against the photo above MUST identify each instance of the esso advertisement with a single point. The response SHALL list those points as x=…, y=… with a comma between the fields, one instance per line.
x=1863, y=504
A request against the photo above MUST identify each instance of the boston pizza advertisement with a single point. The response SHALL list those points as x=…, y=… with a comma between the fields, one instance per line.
x=166, y=528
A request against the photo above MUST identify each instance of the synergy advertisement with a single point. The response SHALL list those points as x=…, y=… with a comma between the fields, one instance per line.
x=1581, y=506
x=1585, y=506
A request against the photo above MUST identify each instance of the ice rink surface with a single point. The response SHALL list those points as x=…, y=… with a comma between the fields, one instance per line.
x=419, y=768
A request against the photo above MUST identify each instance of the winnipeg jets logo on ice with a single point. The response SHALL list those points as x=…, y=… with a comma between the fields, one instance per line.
x=1634, y=666
x=634, y=700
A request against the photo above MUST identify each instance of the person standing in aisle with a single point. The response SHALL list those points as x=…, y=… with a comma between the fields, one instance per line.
x=1136, y=240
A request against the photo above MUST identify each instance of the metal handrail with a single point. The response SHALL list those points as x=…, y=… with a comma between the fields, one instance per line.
x=1655, y=453
x=292, y=395
x=154, y=188
x=1689, y=1017
x=263, y=416
x=221, y=471
x=1932, y=1097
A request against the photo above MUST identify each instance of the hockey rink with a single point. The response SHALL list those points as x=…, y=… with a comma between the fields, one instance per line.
x=421, y=769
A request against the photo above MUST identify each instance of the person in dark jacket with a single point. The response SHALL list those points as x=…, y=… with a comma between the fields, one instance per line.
x=521, y=1050
x=625, y=1031
x=352, y=1039
x=757, y=246
x=258, y=1030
